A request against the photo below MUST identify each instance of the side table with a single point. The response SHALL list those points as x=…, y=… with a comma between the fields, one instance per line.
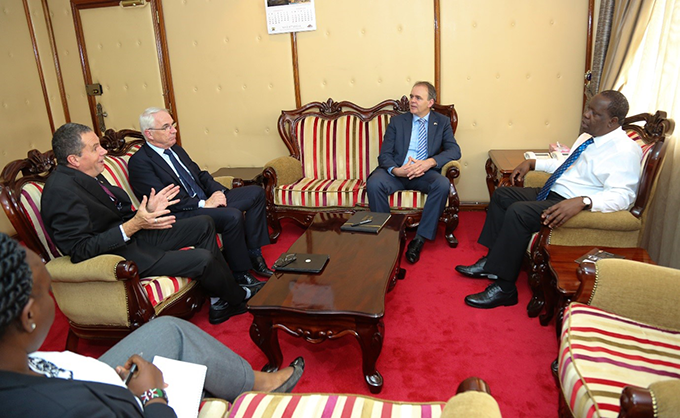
x=561, y=282
x=500, y=164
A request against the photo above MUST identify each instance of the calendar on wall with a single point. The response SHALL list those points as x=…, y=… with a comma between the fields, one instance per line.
x=284, y=16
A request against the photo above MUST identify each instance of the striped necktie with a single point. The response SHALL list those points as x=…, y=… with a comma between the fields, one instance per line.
x=543, y=194
x=422, y=140
x=193, y=188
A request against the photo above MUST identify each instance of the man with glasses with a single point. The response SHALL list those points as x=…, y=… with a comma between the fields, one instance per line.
x=86, y=216
x=239, y=214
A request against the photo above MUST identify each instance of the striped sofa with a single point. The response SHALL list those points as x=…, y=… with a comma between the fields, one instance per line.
x=333, y=147
x=102, y=297
x=472, y=400
x=620, y=342
x=615, y=229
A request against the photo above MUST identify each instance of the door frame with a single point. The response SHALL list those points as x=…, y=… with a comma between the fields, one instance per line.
x=161, y=48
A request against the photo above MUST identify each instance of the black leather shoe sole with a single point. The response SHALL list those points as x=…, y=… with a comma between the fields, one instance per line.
x=475, y=272
x=217, y=315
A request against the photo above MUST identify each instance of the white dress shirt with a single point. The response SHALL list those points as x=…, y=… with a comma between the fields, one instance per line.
x=608, y=172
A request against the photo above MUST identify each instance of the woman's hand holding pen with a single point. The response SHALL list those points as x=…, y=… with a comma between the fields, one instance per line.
x=147, y=376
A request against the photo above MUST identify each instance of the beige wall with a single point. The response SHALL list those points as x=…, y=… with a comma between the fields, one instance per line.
x=513, y=68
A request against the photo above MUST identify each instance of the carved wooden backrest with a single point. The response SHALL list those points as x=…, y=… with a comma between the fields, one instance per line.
x=22, y=182
x=650, y=131
x=341, y=140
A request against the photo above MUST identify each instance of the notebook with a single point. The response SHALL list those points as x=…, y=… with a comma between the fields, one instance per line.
x=363, y=221
x=185, y=384
x=300, y=262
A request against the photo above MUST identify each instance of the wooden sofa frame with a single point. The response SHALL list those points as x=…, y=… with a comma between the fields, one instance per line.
x=331, y=110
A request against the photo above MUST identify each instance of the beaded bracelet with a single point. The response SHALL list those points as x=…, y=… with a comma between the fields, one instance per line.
x=153, y=394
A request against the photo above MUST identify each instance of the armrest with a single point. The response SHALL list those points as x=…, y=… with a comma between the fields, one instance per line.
x=536, y=178
x=622, y=220
x=287, y=169
x=103, y=268
x=451, y=170
x=613, y=229
x=635, y=290
x=226, y=181
x=472, y=399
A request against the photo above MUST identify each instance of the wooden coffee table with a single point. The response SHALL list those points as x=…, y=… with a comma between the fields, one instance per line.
x=561, y=282
x=346, y=298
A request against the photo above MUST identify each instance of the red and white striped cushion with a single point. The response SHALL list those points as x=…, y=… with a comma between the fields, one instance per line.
x=316, y=193
x=265, y=405
x=601, y=353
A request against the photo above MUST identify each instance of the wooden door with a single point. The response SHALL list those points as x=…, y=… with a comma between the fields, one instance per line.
x=124, y=50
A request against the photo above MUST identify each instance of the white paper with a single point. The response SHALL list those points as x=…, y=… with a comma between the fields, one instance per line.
x=285, y=16
x=185, y=384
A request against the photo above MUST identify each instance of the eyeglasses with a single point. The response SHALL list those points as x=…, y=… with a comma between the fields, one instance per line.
x=165, y=127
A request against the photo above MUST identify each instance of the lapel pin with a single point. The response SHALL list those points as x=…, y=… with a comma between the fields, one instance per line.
x=435, y=124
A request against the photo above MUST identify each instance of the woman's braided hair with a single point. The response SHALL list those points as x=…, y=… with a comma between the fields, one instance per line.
x=15, y=281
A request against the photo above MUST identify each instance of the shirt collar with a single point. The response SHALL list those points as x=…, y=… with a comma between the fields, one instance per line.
x=158, y=150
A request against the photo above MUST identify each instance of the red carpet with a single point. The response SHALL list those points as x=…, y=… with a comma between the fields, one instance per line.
x=432, y=339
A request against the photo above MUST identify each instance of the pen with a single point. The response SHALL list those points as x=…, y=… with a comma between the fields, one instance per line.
x=365, y=221
x=133, y=369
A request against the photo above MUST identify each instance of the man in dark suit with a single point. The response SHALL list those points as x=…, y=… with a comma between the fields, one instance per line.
x=415, y=148
x=160, y=162
x=86, y=217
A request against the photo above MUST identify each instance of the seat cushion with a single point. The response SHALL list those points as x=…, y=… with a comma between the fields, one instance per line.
x=267, y=405
x=601, y=353
x=316, y=193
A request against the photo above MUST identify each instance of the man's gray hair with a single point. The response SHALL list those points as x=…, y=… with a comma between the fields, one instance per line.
x=146, y=119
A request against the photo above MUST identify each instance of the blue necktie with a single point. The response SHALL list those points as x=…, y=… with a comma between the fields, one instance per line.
x=543, y=194
x=422, y=140
x=193, y=188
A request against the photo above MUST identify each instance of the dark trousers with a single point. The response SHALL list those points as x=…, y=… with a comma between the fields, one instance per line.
x=381, y=184
x=242, y=223
x=513, y=216
x=203, y=263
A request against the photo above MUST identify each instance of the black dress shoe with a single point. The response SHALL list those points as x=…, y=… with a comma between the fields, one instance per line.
x=492, y=297
x=476, y=270
x=254, y=289
x=298, y=366
x=245, y=279
x=260, y=266
x=221, y=311
x=413, y=250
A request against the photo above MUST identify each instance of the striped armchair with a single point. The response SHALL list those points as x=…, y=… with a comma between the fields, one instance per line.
x=620, y=342
x=102, y=297
x=333, y=147
x=615, y=229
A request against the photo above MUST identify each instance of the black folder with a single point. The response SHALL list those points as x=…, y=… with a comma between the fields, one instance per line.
x=366, y=222
x=303, y=263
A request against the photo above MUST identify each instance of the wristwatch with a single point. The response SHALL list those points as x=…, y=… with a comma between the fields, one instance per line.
x=588, y=202
x=153, y=394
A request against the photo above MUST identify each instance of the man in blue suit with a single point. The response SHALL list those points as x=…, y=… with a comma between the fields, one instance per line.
x=239, y=214
x=415, y=148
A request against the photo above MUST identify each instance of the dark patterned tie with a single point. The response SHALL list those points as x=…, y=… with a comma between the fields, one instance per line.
x=193, y=188
x=543, y=194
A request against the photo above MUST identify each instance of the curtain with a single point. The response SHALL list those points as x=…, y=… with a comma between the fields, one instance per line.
x=604, y=28
x=651, y=81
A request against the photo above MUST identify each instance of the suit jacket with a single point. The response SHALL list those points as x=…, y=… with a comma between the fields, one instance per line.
x=441, y=145
x=36, y=396
x=84, y=222
x=148, y=169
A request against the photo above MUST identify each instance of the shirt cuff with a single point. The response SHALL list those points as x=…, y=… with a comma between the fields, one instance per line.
x=389, y=170
x=122, y=231
x=201, y=204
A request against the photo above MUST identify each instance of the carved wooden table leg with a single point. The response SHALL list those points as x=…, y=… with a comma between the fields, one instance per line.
x=370, y=336
x=265, y=336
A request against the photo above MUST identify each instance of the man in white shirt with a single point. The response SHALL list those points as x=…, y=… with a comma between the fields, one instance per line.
x=601, y=174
